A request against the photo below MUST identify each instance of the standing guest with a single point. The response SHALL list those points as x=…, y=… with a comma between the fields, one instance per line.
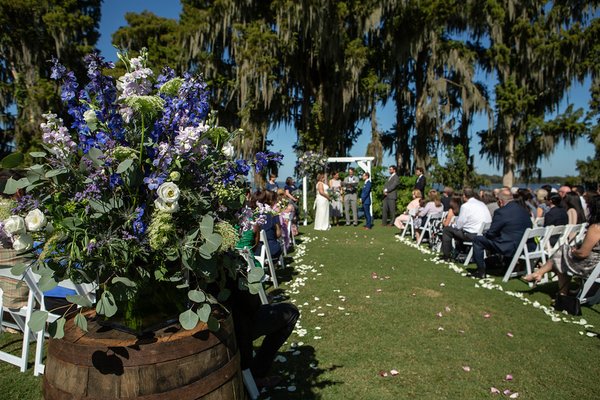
x=508, y=225
x=421, y=182
x=271, y=184
x=335, y=185
x=563, y=190
x=350, y=186
x=413, y=205
x=388, y=212
x=572, y=204
x=365, y=198
x=290, y=188
x=472, y=214
x=446, y=197
x=322, y=204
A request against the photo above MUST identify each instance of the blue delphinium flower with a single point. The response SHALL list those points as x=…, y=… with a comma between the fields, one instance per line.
x=139, y=227
x=154, y=181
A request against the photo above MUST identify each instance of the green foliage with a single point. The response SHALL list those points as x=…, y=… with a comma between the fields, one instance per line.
x=457, y=172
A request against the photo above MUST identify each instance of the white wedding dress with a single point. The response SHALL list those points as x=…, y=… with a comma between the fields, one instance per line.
x=322, y=210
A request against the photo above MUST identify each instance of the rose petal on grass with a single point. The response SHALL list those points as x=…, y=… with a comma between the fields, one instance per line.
x=494, y=390
x=442, y=284
x=447, y=309
x=378, y=290
x=439, y=315
x=514, y=395
x=440, y=328
x=466, y=368
x=509, y=334
x=394, y=372
x=508, y=377
x=383, y=373
x=487, y=315
x=507, y=392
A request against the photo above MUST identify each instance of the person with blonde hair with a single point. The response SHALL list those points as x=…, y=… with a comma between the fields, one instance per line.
x=413, y=205
x=433, y=206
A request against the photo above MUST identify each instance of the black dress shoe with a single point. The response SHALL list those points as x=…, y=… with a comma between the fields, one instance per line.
x=476, y=274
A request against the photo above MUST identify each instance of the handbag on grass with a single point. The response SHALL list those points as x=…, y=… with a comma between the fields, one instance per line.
x=567, y=303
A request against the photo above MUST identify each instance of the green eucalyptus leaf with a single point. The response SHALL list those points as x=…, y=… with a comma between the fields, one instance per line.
x=213, y=241
x=255, y=275
x=56, y=329
x=11, y=186
x=19, y=269
x=56, y=172
x=254, y=288
x=12, y=160
x=196, y=296
x=80, y=300
x=223, y=295
x=37, y=320
x=213, y=324
x=188, y=319
x=37, y=154
x=106, y=305
x=46, y=283
x=124, y=281
x=207, y=225
x=124, y=165
x=81, y=322
x=204, y=312
x=96, y=156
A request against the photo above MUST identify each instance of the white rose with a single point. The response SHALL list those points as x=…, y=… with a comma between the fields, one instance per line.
x=166, y=207
x=22, y=242
x=14, y=225
x=90, y=119
x=228, y=150
x=35, y=220
x=168, y=192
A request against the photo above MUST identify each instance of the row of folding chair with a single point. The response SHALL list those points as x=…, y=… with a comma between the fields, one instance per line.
x=22, y=316
x=429, y=225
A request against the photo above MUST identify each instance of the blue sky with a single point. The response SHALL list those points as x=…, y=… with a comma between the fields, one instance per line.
x=562, y=162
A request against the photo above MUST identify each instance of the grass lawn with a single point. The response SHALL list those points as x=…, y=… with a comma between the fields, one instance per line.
x=371, y=304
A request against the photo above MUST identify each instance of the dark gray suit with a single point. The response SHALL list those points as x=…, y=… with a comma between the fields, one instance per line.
x=388, y=209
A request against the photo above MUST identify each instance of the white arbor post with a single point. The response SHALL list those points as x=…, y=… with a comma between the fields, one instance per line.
x=305, y=198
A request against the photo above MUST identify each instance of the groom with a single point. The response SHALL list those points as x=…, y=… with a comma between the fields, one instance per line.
x=365, y=198
x=389, y=199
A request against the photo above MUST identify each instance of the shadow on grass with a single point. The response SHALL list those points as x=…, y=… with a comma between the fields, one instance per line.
x=302, y=376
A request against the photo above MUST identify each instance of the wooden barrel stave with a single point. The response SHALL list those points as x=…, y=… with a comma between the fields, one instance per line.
x=176, y=364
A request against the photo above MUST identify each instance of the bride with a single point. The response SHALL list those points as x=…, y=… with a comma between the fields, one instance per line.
x=322, y=204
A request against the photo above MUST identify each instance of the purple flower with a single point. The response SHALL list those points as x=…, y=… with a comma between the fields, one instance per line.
x=154, y=181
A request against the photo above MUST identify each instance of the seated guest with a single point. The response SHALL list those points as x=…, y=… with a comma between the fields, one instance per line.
x=571, y=202
x=542, y=207
x=433, y=206
x=473, y=213
x=508, y=225
x=271, y=227
x=490, y=201
x=413, y=205
x=271, y=184
x=455, y=203
x=582, y=259
x=555, y=216
x=252, y=320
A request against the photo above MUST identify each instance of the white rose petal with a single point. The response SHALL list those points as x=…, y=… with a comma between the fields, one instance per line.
x=228, y=150
x=168, y=192
x=22, y=242
x=35, y=220
x=166, y=207
x=14, y=225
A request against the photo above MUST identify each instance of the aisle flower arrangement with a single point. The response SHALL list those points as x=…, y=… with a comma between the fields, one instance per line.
x=139, y=193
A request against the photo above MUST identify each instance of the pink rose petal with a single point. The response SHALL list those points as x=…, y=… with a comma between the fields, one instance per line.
x=394, y=372
x=507, y=392
x=466, y=368
x=510, y=334
x=509, y=377
x=487, y=315
x=493, y=390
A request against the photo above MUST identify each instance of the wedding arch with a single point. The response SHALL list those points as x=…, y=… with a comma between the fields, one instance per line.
x=363, y=162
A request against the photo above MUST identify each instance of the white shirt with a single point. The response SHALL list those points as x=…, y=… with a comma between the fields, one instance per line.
x=472, y=214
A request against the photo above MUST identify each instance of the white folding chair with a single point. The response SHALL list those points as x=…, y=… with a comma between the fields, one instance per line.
x=482, y=228
x=250, y=384
x=21, y=317
x=410, y=223
x=523, y=252
x=245, y=253
x=428, y=226
x=265, y=257
x=587, y=283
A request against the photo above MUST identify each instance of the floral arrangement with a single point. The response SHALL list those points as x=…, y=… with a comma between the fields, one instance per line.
x=310, y=163
x=334, y=195
x=140, y=194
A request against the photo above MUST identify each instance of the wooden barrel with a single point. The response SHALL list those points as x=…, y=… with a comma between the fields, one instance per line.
x=104, y=363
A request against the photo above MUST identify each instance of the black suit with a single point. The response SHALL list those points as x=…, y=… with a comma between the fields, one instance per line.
x=505, y=233
x=420, y=184
x=556, y=216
